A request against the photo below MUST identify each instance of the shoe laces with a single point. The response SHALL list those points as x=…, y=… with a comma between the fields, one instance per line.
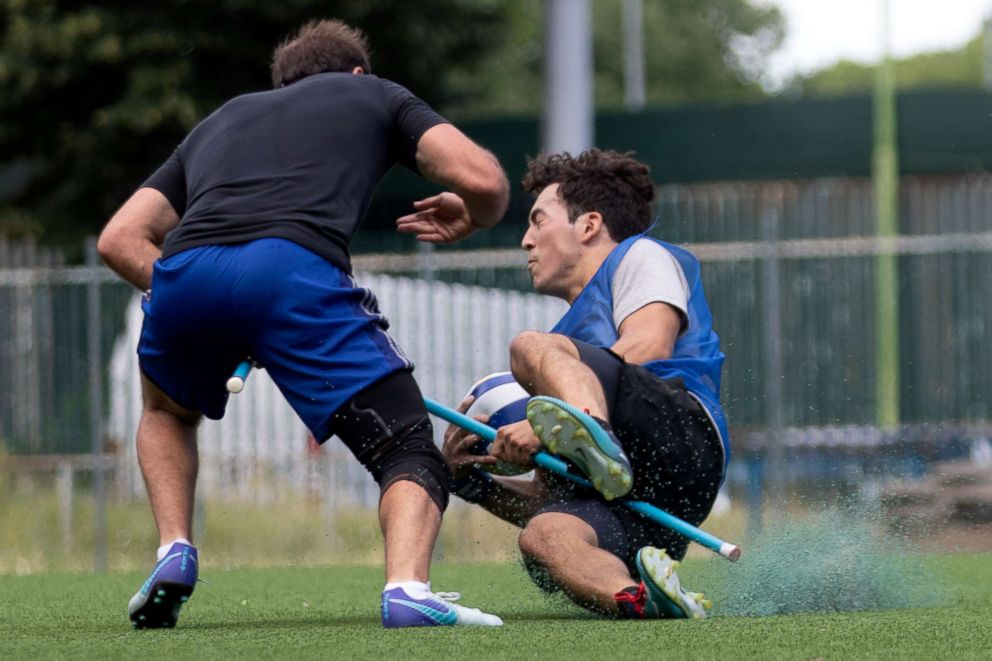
x=450, y=597
x=638, y=599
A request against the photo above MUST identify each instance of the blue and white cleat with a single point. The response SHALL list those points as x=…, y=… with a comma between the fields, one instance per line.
x=665, y=596
x=430, y=609
x=577, y=436
x=156, y=605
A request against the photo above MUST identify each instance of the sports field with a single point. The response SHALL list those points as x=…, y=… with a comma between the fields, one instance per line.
x=332, y=612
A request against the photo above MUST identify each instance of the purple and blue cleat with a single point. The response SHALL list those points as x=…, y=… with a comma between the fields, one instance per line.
x=156, y=605
x=586, y=441
x=430, y=609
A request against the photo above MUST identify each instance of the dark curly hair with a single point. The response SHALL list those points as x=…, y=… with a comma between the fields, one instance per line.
x=616, y=185
x=319, y=47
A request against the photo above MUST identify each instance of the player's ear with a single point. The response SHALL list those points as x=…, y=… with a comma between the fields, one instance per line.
x=591, y=225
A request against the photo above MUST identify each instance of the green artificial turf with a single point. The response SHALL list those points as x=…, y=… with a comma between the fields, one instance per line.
x=333, y=612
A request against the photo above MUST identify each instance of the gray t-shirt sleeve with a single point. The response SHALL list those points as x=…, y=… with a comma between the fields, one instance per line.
x=648, y=274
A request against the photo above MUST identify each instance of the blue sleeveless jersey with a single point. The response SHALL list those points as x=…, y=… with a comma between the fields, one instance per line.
x=696, y=358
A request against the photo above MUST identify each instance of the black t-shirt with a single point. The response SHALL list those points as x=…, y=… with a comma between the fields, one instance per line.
x=299, y=163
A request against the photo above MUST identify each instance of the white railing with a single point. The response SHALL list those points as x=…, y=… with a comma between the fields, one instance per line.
x=454, y=333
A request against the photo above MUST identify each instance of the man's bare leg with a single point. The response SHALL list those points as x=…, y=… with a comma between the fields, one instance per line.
x=549, y=364
x=566, y=547
x=410, y=521
x=167, y=454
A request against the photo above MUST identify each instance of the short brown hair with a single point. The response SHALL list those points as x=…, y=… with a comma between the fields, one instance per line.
x=616, y=185
x=319, y=47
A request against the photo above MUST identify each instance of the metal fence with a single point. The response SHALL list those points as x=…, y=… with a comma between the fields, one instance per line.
x=788, y=269
x=454, y=333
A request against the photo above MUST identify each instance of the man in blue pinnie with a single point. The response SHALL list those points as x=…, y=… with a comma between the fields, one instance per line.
x=626, y=387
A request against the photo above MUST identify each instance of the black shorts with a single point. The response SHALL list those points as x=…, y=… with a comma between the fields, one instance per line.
x=673, y=447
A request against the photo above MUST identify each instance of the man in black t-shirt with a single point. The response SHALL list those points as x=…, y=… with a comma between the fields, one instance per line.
x=240, y=241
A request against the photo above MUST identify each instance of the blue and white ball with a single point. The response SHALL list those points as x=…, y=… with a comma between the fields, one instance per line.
x=504, y=401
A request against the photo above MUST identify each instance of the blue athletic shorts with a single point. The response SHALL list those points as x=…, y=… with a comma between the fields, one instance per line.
x=321, y=337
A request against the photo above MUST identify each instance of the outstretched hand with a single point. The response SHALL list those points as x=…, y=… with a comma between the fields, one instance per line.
x=442, y=218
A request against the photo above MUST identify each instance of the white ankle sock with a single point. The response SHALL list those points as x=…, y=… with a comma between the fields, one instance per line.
x=412, y=588
x=162, y=550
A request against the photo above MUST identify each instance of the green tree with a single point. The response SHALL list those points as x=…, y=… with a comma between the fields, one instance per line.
x=96, y=94
x=694, y=50
x=960, y=68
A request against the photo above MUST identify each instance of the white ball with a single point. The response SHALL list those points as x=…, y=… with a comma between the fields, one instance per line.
x=504, y=401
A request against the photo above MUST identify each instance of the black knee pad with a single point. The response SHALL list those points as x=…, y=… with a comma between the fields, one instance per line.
x=387, y=428
x=418, y=460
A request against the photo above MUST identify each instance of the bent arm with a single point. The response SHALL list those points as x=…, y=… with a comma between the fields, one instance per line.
x=649, y=334
x=448, y=157
x=512, y=499
x=132, y=240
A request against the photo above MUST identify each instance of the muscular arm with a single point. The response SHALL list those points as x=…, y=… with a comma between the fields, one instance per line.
x=132, y=240
x=448, y=157
x=650, y=300
x=512, y=499
x=649, y=334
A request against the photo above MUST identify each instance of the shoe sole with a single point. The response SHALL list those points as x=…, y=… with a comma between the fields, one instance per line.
x=562, y=431
x=161, y=609
x=657, y=570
